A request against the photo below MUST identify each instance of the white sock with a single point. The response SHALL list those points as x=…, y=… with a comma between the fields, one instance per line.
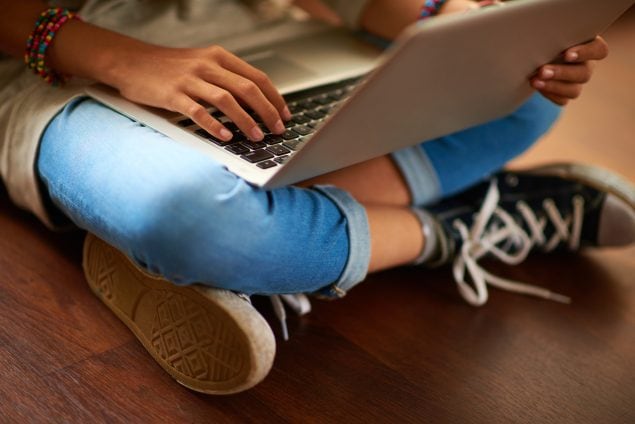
x=431, y=239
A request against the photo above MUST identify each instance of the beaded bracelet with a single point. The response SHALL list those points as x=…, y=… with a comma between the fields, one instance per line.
x=45, y=30
x=430, y=8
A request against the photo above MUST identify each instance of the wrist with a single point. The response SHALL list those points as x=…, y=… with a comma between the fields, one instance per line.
x=87, y=51
x=119, y=61
x=43, y=35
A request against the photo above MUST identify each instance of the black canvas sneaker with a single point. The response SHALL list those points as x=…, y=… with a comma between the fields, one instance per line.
x=549, y=208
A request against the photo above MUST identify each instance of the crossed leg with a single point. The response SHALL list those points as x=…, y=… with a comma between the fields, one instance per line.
x=189, y=219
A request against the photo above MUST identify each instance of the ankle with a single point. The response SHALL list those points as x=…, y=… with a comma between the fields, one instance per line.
x=430, y=248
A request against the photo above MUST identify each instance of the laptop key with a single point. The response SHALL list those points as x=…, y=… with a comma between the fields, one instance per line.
x=290, y=135
x=237, y=149
x=337, y=95
x=185, y=123
x=238, y=137
x=295, y=108
x=257, y=156
x=273, y=139
x=281, y=159
x=278, y=150
x=232, y=127
x=300, y=119
x=202, y=133
x=314, y=114
x=264, y=129
x=307, y=105
x=255, y=146
x=267, y=164
x=292, y=144
x=322, y=100
x=221, y=142
x=302, y=130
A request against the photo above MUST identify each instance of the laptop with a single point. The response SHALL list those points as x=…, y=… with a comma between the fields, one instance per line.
x=352, y=101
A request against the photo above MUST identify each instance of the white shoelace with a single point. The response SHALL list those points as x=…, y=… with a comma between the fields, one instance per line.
x=298, y=302
x=481, y=240
x=485, y=236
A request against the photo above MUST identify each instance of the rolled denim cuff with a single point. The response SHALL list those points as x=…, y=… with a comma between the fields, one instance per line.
x=419, y=174
x=359, y=242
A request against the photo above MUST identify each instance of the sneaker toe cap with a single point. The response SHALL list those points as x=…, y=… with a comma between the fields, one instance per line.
x=617, y=223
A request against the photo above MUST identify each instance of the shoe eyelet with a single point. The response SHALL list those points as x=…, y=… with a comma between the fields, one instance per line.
x=578, y=200
x=511, y=180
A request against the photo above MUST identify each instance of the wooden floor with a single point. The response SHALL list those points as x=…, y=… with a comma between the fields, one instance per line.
x=402, y=347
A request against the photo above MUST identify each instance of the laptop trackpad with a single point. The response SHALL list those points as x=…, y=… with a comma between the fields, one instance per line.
x=281, y=70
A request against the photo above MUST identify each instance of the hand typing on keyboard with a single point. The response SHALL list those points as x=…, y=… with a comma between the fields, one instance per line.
x=180, y=79
x=309, y=109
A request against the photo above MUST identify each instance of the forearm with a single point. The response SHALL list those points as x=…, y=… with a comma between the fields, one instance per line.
x=387, y=18
x=87, y=51
x=78, y=49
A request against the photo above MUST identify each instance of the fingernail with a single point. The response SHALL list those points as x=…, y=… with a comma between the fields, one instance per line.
x=539, y=84
x=226, y=134
x=257, y=134
x=548, y=73
x=571, y=56
x=286, y=114
x=279, y=127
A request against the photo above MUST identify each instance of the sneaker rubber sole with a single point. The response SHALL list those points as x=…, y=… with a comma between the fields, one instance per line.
x=209, y=340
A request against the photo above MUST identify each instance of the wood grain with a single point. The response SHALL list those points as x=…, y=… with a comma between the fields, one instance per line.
x=402, y=347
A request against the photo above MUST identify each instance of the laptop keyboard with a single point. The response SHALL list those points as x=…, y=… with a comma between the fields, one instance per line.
x=309, y=108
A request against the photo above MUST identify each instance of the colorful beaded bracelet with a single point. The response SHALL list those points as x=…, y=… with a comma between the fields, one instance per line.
x=45, y=30
x=430, y=8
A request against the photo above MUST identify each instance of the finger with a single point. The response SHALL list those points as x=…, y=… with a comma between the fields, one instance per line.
x=234, y=64
x=593, y=50
x=224, y=101
x=486, y=3
x=250, y=94
x=559, y=100
x=458, y=7
x=558, y=88
x=197, y=113
x=578, y=73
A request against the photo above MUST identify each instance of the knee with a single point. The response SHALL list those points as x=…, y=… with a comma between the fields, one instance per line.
x=514, y=134
x=535, y=117
x=206, y=228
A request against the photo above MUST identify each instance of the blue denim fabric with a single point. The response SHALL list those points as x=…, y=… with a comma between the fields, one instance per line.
x=447, y=165
x=182, y=215
x=450, y=164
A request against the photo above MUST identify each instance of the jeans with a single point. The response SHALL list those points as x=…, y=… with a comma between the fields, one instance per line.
x=184, y=216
